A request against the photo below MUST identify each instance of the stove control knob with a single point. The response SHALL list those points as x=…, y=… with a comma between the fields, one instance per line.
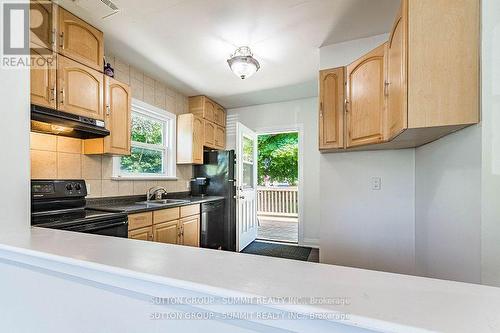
x=78, y=187
x=69, y=187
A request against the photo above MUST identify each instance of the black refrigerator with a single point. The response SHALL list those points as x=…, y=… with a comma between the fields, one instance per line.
x=219, y=169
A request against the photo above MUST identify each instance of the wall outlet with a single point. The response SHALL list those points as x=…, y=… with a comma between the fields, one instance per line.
x=88, y=188
x=376, y=183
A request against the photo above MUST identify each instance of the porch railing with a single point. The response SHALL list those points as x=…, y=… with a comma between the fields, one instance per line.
x=278, y=201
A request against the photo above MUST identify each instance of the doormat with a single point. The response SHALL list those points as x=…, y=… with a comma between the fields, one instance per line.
x=278, y=250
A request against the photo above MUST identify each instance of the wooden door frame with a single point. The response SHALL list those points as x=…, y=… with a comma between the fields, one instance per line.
x=299, y=128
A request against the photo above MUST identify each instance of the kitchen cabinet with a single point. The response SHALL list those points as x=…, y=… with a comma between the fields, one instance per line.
x=220, y=137
x=331, y=108
x=365, y=99
x=430, y=82
x=117, y=118
x=43, y=20
x=167, y=232
x=190, y=231
x=395, y=82
x=209, y=130
x=220, y=116
x=80, y=41
x=179, y=225
x=145, y=234
x=43, y=88
x=80, y=89
x=190, y=138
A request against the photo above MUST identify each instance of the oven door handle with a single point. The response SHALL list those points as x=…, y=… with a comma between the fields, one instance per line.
x=106, y=226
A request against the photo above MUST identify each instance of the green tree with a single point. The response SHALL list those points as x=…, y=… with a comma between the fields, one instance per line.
x=278, y=156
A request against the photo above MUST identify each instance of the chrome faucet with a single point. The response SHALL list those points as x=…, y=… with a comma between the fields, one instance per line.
x=157, y=191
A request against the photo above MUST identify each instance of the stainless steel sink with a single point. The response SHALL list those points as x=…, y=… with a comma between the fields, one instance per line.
x=164, y=202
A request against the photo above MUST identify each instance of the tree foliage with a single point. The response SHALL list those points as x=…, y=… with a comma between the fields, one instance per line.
x=278, y=156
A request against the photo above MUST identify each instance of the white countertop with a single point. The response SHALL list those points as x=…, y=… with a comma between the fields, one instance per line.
x=381, y=301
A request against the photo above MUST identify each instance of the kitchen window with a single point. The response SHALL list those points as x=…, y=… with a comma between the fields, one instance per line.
x=152, y=145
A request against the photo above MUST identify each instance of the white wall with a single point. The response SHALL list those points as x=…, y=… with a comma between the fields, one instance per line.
x=448, y=207
x=14, y=145
x=360, y=227
x=303, y=112
x=490, y=193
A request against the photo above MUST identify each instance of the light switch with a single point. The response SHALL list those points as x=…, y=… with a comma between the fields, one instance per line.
x=376, y=183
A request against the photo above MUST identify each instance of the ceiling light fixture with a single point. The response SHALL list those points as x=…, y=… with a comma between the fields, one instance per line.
x=242, y=62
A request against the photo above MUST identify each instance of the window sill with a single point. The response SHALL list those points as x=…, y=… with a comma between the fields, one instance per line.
x=167, y=178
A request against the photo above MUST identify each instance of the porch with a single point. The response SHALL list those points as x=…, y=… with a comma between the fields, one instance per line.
x=277, y=213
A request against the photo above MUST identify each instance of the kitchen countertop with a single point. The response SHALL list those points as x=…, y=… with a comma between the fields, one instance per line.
x=379, y=301
x=131, y=205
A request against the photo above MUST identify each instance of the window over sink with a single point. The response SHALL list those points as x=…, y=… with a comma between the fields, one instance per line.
x=153, y=153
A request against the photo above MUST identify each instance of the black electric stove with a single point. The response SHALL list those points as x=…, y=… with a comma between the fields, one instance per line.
x=60, y=204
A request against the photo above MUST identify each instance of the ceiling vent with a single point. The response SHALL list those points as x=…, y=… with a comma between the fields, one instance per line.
x=102, y=8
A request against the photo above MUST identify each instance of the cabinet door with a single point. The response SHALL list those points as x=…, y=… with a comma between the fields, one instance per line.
x=118, y=108
x=81, y=89
x=220, y=116
x=43, y=79
x=80, y=41
x=365, y=99
x=209, y=110
x=167, y=232
x=198, y=139
x=43, y=18
x=145, y=234
x=209, y=129
x=331, y=108
x=220, y=137
x=190, y=231
x=395, y=83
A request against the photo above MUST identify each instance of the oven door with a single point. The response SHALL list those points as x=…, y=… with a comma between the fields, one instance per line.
x=115, y=228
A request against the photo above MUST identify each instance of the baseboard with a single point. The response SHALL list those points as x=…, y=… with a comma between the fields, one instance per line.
x=310, y=242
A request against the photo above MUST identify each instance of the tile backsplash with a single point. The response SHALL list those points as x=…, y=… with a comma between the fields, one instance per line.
x=57, y=157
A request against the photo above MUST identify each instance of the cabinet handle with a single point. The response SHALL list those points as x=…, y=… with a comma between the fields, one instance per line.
x=53, y=94
x=386, y=88
x=108, y=110
x=61, y=42
x=321, y=109
x=62, y=96
x=53, y=38
x=346, y=105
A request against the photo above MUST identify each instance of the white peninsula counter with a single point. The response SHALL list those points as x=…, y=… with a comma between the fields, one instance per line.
x=57, y=281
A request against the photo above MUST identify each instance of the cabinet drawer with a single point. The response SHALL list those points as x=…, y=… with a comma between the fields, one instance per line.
x=165, y=215
x=190, y=210
x=141, y=220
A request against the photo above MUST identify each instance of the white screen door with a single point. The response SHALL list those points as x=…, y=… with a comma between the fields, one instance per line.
x=246, y=186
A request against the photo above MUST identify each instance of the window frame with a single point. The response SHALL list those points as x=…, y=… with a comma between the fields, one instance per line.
x=168, y=148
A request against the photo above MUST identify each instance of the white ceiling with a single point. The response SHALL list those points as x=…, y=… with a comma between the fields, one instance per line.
x=186, y=42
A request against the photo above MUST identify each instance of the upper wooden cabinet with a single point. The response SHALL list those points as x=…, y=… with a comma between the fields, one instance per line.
x=365, y=99
x=80, y=89
x=43, y=80
x=220, y=137
x=220, y=116
x=429, y=84
x=80, y=41
x=331, y=108
x=209, y=128
x=395, y=82
x=43, y=24
x=117, y=118
x=190, y=138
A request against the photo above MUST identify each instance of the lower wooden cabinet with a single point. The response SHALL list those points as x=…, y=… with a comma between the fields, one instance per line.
x=145, y=234
x=167, y=232
x=180, y=225
x=190, y=231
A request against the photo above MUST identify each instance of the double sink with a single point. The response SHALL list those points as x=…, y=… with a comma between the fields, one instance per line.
x=163, y=202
